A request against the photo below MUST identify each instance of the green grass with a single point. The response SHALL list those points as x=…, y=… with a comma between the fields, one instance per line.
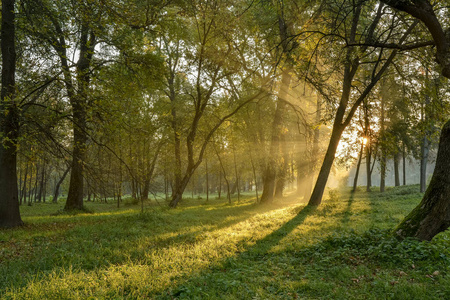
x=341, y=250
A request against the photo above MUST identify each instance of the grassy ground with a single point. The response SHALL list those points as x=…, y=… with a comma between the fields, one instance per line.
x=341, y=250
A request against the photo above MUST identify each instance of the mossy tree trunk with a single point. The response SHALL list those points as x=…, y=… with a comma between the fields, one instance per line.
x=432, y=215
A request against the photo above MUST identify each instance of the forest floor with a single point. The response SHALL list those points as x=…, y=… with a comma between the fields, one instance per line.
x=340, y=250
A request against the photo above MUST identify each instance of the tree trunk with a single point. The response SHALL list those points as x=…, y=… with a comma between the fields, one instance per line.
x=358, y=165
x=254, y=175
x=396, y=168
x=368, y=148
x=274, y=152
x=9, y=122
x=207, y=179
x=432, y=215
x=383, y=158
x=224, y=175
x=237, y=175
x=41, y=183
x=383, y=172
x=319, y=188
x=283, y=167
x=314, y=157
x=55, y=196
x=423, y=164
x=76, y=186
x=23, y=194
x=177, y=196
x=78, y=101
x=219, y=191
x=404, y=164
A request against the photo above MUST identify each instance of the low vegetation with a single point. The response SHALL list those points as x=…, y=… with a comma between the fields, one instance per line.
x=340, y=250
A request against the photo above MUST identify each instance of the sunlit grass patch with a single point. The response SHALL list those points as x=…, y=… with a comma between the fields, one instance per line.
x=340, y=250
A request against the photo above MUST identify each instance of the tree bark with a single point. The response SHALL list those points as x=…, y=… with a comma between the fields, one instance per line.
x=9, y=122
x=432, y=215
x=383, y=158
x=58, y=184
x=396, y=169
x=319, y=188
x=404, y=164
x=383, y=162
x=350, y=68
x=78, y=101
x=423, y=163
x=358, y=165
x=254, y=175
x=207, y=179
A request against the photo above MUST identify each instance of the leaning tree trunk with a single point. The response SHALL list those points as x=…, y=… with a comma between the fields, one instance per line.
x=432, y=215
x=9, y=122
x=319, y=188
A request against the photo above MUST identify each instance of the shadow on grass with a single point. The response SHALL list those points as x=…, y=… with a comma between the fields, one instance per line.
x=87, y=242
x=255, y=252
x=348, y=209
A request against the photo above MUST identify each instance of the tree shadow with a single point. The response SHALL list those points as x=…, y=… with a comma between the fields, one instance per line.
x=348, y=209
x=91, y=242
x=258, y=250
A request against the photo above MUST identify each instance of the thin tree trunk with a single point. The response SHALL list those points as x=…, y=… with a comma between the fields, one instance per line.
x=383, y=172
x=404, y=164
x=355, y=181
x=423, y=164
x=396, y=169
x=36, y=183
x=383, y=158
x=220, y=183
x=237, y=175
x=58, y=184
x=207, y=179
x=23, y=194
x=368, y=148
x=30, y=184
x=224, y=175
x=254, y=175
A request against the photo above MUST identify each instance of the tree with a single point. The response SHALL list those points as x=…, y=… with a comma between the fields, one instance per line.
x=9, y=121
x=353, y=58
x=432, y=215
x=210, y=74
